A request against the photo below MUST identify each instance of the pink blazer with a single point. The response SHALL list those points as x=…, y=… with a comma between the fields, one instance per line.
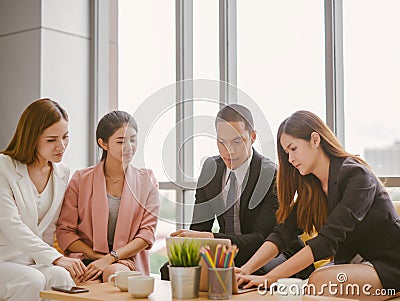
x=84, y=213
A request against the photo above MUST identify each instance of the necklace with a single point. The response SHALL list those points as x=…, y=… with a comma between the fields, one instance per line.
x=115, y=180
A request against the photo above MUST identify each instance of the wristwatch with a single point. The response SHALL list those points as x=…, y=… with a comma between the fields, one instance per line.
x=114, y=254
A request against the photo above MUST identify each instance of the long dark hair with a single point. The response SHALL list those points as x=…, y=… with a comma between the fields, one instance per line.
x=311, y=200
x=110, y=123
x=37, y=117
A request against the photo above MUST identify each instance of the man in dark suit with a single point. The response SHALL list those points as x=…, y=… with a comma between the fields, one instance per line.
x=237, y=187
x=254, y=211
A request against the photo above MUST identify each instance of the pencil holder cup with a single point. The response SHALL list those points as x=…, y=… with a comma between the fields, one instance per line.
x=220, y=283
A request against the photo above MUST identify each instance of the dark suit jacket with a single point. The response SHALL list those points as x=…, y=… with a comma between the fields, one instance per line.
x=258, y=204
x=361, y=220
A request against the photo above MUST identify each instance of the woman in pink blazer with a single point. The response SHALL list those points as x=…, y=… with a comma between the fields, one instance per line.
x=110, y=210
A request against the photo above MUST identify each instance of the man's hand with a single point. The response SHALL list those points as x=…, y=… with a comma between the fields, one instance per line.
x=191, y=233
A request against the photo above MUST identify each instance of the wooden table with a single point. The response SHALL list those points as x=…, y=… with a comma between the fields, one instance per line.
x=162, y=292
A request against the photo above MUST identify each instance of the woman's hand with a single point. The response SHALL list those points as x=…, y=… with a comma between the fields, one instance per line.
x=97, y=267
x=129, y=263
x=242, y=271
x=238, y=270
x=73, y=265
x=251, y=280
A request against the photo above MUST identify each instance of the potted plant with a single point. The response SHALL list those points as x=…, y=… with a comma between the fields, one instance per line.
x=184, y=269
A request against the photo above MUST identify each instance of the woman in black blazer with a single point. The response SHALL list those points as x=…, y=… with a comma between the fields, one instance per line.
x=323, y=187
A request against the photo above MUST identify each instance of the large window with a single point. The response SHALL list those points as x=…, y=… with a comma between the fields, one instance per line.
x=280, y=56
x=371, y=82
x=205, y=39
x=276, y=53
x=146, y=65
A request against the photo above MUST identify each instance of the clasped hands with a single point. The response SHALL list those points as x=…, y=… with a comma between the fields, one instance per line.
x=80, y=272
x=74, y=266
x=96, y=268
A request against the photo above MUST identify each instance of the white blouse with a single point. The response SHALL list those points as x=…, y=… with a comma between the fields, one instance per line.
x=43, y=200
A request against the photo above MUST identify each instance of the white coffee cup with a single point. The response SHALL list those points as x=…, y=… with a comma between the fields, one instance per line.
x=290, y=288
x=120, y=279
x=140, y=286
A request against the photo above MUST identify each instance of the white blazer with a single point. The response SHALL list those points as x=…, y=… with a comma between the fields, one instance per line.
x=19, y=231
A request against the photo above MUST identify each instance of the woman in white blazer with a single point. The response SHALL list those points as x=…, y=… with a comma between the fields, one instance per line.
x=32, y=185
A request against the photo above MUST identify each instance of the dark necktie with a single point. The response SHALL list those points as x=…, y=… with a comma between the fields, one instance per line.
x=230, y=204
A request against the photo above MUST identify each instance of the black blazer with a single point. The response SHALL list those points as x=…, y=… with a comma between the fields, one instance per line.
x=361, y=220
x=258, y=204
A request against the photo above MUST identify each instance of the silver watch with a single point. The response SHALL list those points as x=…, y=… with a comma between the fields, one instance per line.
x=114, y=254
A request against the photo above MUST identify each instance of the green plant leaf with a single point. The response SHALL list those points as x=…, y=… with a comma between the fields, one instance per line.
x=185, y=253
